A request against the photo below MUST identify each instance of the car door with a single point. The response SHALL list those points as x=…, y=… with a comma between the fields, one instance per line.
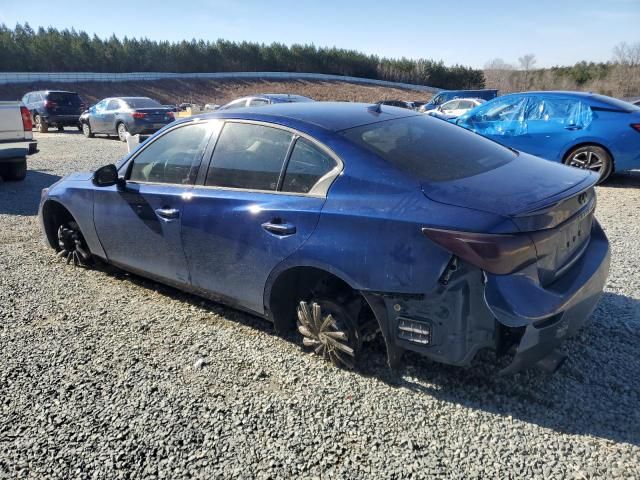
x=139, y=223
x=96, y=116
x=108, y=116
x=259, y=202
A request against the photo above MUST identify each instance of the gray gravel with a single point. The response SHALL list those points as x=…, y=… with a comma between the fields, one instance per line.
x=107, y=375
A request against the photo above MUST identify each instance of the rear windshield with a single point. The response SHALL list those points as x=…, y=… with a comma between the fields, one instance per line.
x=430, y=149
x=614, y=102
x=141, y=103
x=64, y=98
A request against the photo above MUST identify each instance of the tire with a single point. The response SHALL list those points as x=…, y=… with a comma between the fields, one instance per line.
x=338, y=338
x=40, y=124
x=79, y=127
x=121, y=128
x=72, y=246
x=61, y=129
x=15, y=171
x=86, y=130
x=593, y=158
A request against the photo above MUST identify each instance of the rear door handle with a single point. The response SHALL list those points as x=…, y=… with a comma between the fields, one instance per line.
x=168, y=213
x=281, y=229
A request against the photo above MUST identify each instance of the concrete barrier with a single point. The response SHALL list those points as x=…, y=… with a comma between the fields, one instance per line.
x=74, y=77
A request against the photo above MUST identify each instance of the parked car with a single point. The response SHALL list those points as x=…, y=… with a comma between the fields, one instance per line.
x=172, y=108
x=446, y=95
x=16, y=140
x=211, y=106
x=345, y=219
x=454, y=108
x=125, y=115
x=54, y=109
x=265, y=99
x=580, y=129
x=398, y=103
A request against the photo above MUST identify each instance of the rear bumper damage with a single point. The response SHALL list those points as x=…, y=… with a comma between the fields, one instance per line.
x=471, y=310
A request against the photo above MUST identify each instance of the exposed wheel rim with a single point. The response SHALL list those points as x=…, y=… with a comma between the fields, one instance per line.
x=86, y=129
x=71, y=244
x=587, y=160
x=38, y=122
x=122, y=132
x=327, y=335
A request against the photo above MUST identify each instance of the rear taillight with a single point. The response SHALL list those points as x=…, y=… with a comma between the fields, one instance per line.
x=50, y=104
x=27, y=124
x=138, y=115
x=636, y=126
x=499, y=254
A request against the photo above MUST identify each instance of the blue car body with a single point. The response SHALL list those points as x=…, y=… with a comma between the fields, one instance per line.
x=551, y=125
x=408, y=238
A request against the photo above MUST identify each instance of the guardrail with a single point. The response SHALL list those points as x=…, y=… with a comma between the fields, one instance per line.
x=73, y=77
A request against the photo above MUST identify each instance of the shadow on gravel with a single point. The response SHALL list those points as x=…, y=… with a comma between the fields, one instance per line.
x=23, y=198
x=596, y=392
x=624, y=180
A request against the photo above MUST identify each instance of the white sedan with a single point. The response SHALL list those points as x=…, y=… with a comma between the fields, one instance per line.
x=456, y=107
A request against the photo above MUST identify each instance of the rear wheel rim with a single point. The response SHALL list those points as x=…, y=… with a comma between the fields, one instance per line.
x=122, y=132
x=587, y=160
x=326, y=334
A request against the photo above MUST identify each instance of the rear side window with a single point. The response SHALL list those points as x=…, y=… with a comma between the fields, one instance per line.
x=248, y=156
x=306, y=166
x=258, y=102
x=430, y=149
x=113, y=105
x=174, y=157
x=64, y=98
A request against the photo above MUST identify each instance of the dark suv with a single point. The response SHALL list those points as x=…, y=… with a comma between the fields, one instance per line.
x=54, y=108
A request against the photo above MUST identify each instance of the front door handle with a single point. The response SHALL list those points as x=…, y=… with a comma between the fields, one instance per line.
x=573, y=127
x=168, y=213
x=281, y=229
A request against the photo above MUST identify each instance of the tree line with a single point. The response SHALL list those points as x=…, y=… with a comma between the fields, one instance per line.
x=619, y=77
x=23, y=49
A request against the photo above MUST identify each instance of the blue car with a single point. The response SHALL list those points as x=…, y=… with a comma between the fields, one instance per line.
x=584, y=130
x=346, y=220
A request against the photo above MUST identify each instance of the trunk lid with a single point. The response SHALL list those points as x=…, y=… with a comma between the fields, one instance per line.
x=524, y=184
x=552, y=204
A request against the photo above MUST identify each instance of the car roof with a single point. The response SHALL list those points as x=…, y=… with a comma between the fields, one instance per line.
x=332, y=116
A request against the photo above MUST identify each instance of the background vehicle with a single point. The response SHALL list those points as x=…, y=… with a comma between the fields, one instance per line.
x=306, y=194
x=446, y=95
x=211, y=106
x=122, y=115
x=454, y=108
x=265, y=99
x=16, y=140
x=54, y=109
x=398, y=103
x=580, y=129
x=172, y=108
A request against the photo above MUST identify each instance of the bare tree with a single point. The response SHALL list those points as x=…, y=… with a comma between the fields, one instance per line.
x=527, y=63
x=499, y=74
x=497, y=64
x=627, y=54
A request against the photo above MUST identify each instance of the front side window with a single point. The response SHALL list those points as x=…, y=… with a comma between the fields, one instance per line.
x=306, y=166
x=248, y=156
x=452, y=105
x=174, y=157
x=430, y=149
x=100, y=106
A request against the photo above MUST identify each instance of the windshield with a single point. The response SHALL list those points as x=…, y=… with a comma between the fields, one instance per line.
x=430, y=149
x=64, y=98
x=141, y=103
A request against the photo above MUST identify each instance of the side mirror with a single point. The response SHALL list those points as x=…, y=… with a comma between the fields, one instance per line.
x=106, y=176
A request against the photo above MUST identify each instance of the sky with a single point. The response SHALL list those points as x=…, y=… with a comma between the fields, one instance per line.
x=466, y=32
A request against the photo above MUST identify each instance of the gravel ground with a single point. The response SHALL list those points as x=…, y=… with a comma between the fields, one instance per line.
x=107, y=375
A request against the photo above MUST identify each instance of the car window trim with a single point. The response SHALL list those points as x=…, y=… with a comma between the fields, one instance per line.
x=319, y=189
x=127, y=166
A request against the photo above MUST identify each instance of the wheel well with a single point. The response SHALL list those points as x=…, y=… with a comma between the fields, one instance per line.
x=595, y=144
x=53, y=215
x=302, y=283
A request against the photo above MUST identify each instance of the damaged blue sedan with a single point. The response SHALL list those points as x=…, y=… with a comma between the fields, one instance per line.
x=348, y=220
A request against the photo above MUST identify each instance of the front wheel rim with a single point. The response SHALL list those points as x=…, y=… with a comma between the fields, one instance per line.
x=122, y=132
x=86, y=130
x=71, y=245
x=587, y=160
